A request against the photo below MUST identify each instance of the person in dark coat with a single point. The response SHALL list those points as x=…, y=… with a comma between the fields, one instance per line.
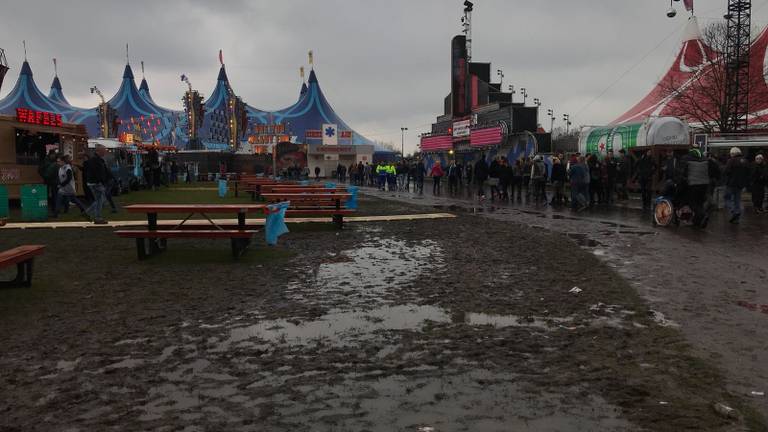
x=759, y=181
x=623, y=168
x=505, y=179
x=644, y=171
x=559, y=177
x=738, y=176
x=481, y=175
x=609, y=182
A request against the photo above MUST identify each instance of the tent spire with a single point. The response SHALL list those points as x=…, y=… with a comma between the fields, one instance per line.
x=55, y=69
x=301, y=73
x=127, y=58
x=142, y=69
x=311, y=60
x=24, y=42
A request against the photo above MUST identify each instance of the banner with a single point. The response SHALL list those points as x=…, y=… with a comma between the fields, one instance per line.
x=330, y=134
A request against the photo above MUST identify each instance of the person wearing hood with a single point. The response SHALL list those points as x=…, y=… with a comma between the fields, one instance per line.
x=737, y=176
x=559, y=176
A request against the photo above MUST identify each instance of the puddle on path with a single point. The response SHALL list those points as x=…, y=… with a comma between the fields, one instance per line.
x=366, y=275
x=583, y=240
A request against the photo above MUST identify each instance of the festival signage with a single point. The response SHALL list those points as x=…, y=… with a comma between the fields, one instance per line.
x=461, y=128
x=42, y=118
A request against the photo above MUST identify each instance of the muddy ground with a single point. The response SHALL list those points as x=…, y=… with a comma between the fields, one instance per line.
x=452, y=324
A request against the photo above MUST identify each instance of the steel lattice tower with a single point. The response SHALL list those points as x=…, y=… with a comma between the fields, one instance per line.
x=737, y=64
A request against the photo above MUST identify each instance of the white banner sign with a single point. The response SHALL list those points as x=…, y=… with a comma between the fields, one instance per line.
x=461, y=128
x=330, y=134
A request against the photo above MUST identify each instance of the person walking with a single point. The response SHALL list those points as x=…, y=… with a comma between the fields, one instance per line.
x=623, y=168
x=453, y=178
x=481, y=174
x=539, y=179
x=759, y=181
x=609, y=182
x=437, y=175
x=505, y=179
x=517, y=180
x=527, y=167
x=317, y=173
x=98, y=178
x=558, y=182
x=420, y=172
x=737, y=177
x=693, y=179
x=67, y=188
x=646, y=167
x=493, y=178
x=579, y=176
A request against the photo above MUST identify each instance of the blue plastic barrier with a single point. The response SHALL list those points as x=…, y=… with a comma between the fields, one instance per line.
x=275, y=225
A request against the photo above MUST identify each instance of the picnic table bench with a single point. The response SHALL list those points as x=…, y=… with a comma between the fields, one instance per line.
x=314, y=203
x=240, y=237
x=23, y=257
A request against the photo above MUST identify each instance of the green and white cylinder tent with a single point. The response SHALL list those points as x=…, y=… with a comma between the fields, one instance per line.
x=652, y=132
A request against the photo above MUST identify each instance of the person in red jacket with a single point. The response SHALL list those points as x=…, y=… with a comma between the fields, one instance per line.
x=437, y=174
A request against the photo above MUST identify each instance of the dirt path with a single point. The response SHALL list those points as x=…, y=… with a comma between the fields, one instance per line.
x=458, y=324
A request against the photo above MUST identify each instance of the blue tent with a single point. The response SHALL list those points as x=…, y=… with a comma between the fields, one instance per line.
x=26, y=94
x=311, y=112
x=139, y=115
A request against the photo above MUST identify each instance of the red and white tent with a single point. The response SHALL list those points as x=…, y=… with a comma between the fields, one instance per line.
x=694, y=57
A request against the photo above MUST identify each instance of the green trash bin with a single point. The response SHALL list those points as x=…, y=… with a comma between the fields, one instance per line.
x=34, y=202
x=3, y=202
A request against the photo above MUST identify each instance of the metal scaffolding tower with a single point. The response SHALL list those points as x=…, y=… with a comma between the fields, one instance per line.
x=737, y=64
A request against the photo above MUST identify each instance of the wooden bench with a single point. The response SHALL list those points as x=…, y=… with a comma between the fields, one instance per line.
x=22, y=256
x=317, y=202
x=240, y=238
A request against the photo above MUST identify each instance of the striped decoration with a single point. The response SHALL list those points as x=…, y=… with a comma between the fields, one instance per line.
x=436, y=143
x=485, y=137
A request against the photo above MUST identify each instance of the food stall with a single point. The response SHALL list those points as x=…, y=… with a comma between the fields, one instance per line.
x=25, y=140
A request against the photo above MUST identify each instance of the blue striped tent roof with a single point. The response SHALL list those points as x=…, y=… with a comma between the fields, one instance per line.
x=26, y=94
x=55, y=93
x=311, y=111
x=140, y=115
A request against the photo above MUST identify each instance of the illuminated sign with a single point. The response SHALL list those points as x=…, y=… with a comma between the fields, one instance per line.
x=269, y=129
x=268, y=139
x=312, y=133
x=43, y=118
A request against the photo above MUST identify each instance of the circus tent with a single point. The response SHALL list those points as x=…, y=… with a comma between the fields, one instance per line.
x=139, y=115
x=692, y=58
x=26, y=94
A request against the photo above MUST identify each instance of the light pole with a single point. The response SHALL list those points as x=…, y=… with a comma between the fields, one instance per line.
x=551, y=114
x=500, y=73
x=512, y=92
x=567, y=120
x=402, y=142
x=524, y=92
x=537, y=102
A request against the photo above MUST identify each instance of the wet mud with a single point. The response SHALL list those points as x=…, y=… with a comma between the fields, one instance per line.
x=441, y=325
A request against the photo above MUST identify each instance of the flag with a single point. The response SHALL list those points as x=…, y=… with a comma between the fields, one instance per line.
x=311, y=59
x=688, y=5
x=301, y=72
x=330, y=134
x=221, y=58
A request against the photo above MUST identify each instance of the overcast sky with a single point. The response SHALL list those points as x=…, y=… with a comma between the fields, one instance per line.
x=381, y=64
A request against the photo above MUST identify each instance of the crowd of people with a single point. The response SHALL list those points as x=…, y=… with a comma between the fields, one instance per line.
x=59, y=175
x=584, y=180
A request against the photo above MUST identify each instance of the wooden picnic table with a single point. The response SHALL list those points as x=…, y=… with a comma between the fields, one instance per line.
x=158, y=238
x=337, y=197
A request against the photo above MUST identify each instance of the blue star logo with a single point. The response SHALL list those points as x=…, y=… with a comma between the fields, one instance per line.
x=330, y=132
